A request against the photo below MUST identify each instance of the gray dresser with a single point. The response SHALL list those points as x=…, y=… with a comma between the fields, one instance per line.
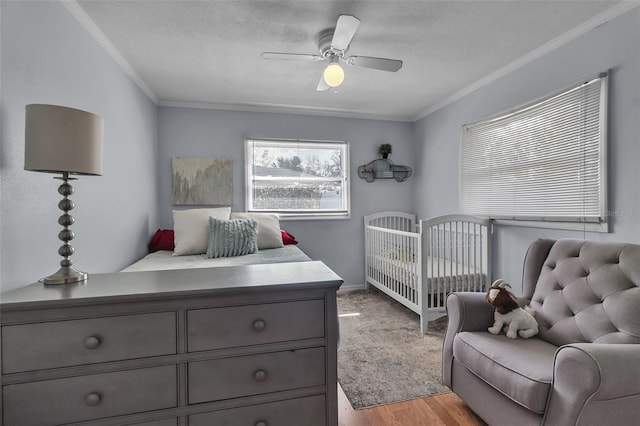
x=248, y=345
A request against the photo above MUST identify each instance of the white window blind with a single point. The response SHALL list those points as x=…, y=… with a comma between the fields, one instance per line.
x=543, y=161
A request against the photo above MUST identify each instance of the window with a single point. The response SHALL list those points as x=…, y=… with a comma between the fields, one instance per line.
x=303, y=179
x=544, y=161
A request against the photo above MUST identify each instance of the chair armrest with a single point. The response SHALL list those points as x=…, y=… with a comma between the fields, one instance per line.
x=466, y=311
x=595, y=384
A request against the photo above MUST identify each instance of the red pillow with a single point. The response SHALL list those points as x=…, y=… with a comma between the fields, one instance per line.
x=287, y=238
x=162, y=240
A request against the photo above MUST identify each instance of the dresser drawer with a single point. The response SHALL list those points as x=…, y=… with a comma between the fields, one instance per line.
x=254, y=324
x=255, y=374
x=52, y=402
x=66, y=343
x=308, y=411
x=164, y=422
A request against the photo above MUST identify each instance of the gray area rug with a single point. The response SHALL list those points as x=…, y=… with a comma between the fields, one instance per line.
x=382, y=356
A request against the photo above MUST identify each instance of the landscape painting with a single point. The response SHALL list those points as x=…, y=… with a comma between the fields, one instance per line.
x=202, y=181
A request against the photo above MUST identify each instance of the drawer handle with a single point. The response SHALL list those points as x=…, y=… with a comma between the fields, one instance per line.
x=259, y=325
x=92, y=399
x=260, y=376
x=261, y=423
x=91, y=342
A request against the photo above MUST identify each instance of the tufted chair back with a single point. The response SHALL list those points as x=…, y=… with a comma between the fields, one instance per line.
x=584, y=291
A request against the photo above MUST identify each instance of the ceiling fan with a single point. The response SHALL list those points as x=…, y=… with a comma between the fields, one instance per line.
x=333, y=44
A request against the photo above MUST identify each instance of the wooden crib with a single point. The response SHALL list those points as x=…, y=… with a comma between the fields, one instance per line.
x=419, y=264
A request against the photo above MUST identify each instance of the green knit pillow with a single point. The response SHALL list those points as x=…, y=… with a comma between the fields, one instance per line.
x=234, y=237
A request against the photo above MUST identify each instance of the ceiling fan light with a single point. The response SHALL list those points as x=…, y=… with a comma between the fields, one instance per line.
x=333, y=74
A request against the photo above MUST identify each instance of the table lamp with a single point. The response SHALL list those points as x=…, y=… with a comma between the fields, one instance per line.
x=66, y=141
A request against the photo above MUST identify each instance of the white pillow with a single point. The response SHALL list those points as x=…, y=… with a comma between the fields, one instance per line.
x=269, y=235
x=191, y=229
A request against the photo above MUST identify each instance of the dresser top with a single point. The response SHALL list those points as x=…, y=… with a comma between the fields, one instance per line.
x=149, y=285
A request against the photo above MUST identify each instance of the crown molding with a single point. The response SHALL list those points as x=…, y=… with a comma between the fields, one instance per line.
x=288, y=109
x=598, y=20
x=74, y=8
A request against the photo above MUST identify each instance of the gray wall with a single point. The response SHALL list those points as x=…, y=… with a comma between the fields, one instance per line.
x=48, y=57
x=613, y=46
x=187, y=132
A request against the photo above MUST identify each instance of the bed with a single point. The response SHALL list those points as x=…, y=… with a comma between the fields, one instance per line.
x=420, y=263
x=165, y=260
x=215, y=237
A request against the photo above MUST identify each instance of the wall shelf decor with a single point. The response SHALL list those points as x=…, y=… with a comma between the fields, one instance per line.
x=383, y=169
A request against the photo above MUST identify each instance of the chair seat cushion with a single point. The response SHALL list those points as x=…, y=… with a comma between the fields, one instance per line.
x=521, y=369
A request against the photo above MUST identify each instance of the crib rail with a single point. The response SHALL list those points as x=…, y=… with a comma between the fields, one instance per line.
x=398, y=221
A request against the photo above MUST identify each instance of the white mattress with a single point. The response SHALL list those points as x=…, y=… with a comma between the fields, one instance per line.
x=164, y=260
x=441, y=274
x=436, y=266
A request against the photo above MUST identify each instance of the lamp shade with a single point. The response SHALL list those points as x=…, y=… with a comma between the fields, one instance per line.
x=60, y=139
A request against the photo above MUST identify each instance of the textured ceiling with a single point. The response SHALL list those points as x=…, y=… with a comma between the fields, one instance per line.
x=208, y=52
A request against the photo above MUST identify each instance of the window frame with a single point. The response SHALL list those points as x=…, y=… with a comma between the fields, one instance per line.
x=344, y=213
x=576, y=222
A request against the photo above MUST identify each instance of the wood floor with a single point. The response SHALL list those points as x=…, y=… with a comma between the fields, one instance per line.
x=439, y=410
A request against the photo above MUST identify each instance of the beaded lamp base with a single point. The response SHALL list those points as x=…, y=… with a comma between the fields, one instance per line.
x=67, y=273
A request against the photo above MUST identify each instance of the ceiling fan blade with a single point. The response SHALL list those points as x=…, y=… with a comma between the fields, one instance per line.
x=322, y=85
x=382, y=64
x=345, y=30
x=289, y=56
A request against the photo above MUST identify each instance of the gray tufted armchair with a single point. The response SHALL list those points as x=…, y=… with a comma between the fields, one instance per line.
x=584, y=366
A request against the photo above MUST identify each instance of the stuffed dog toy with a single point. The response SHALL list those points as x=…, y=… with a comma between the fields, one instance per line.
x=517, y=321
